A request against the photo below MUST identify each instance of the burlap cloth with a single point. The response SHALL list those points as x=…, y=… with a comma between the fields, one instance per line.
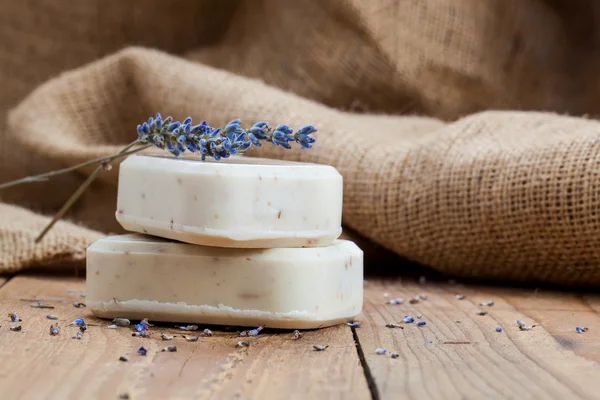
x=400, y=90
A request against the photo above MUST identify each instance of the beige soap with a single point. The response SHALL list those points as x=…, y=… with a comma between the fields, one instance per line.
x=138, y=276
x=239, y=202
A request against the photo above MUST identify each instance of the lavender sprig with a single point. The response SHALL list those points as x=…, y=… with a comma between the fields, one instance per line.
x=177, y=137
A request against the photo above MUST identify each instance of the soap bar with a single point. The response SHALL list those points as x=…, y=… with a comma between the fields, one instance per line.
x=239, y=202
x=137, y=276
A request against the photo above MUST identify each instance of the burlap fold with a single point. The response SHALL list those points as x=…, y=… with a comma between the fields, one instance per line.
x=495, y=194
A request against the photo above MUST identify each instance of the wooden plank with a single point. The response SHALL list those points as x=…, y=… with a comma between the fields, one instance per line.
x=459, y=354
x=37, y=365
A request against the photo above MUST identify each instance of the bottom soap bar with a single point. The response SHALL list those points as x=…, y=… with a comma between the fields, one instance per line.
x=137, y=276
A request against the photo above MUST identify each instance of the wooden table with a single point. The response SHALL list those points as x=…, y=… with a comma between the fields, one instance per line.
x=457, y=355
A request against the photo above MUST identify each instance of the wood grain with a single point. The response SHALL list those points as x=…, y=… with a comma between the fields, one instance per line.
x=37, y=365
x=459, y=355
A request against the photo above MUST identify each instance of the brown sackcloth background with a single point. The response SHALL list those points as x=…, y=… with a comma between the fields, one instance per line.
x=457, y=124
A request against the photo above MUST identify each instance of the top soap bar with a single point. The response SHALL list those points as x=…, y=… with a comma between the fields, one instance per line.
x=238, y=202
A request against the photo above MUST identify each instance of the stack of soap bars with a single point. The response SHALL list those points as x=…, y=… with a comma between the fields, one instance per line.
x=241, y=241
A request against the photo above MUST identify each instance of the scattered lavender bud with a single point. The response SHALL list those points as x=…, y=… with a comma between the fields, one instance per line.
x=487, y=303
x=297, y=334
x=170, y=348
x=422, y=296
x=113, y=326
x=243, y=343
x=421, y=323
x=524, y=327
x=255, y=332
x=79, y=322
x=380, y=350
x=460, y=296
x=397, y=300
x=142, y=326
x=208, y=332
x=422, y=280
x=420, y=316
x=498, y=328
x=482, y=312
x=354, y=324
x=408, y=319
x=54, y=330
x=164, y=336
x=142, y=333
x=142, y=351
x=191, y=338
x=243, y=333
x=121, y=322
x=188, y=327
x=393, y=354
x=124, y=358
x=77, y=304
x=320, y=347
x=392, y=325
x=581, y=329
x=413, y=301
x=386, y=295
x=124, y=396
x=14, y=317
x=78, y=335
x=82, y=294
x=51, y=316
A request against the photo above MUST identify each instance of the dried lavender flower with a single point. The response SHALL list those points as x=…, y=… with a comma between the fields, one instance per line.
x=14, y=317
x=16, y=328
x=487, y=303
x=191, y=338
x=482, y=312
x=243, y=343
x=51, y=316
x=392, y=325
x=77, y=304
x=177, y=137
x=460, y=296
x=54, y=330
x=208, y=332
x=419, y=316
x=188, y=327
x=255, y=332
x=397, y=300
x=408, y=319
x=113, y=326
x=142, y=351
x=170, y=348
x=78, y=335
x=297, y=334
x=498, y=328
x=79, y=322
x=354, y=324
x=142, y=326
x=380, y=350
x=581, y=329
x=164, y=336
x=124, y=358
x=142, y=333
x=422, y=296
x=393, y=354
x=320, y=347
x=524, y=327
x=121, y=322
x=413, y=301
x=421, y=323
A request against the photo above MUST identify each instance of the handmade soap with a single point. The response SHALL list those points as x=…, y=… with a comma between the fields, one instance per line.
x=137, y=276
x=239, y=202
